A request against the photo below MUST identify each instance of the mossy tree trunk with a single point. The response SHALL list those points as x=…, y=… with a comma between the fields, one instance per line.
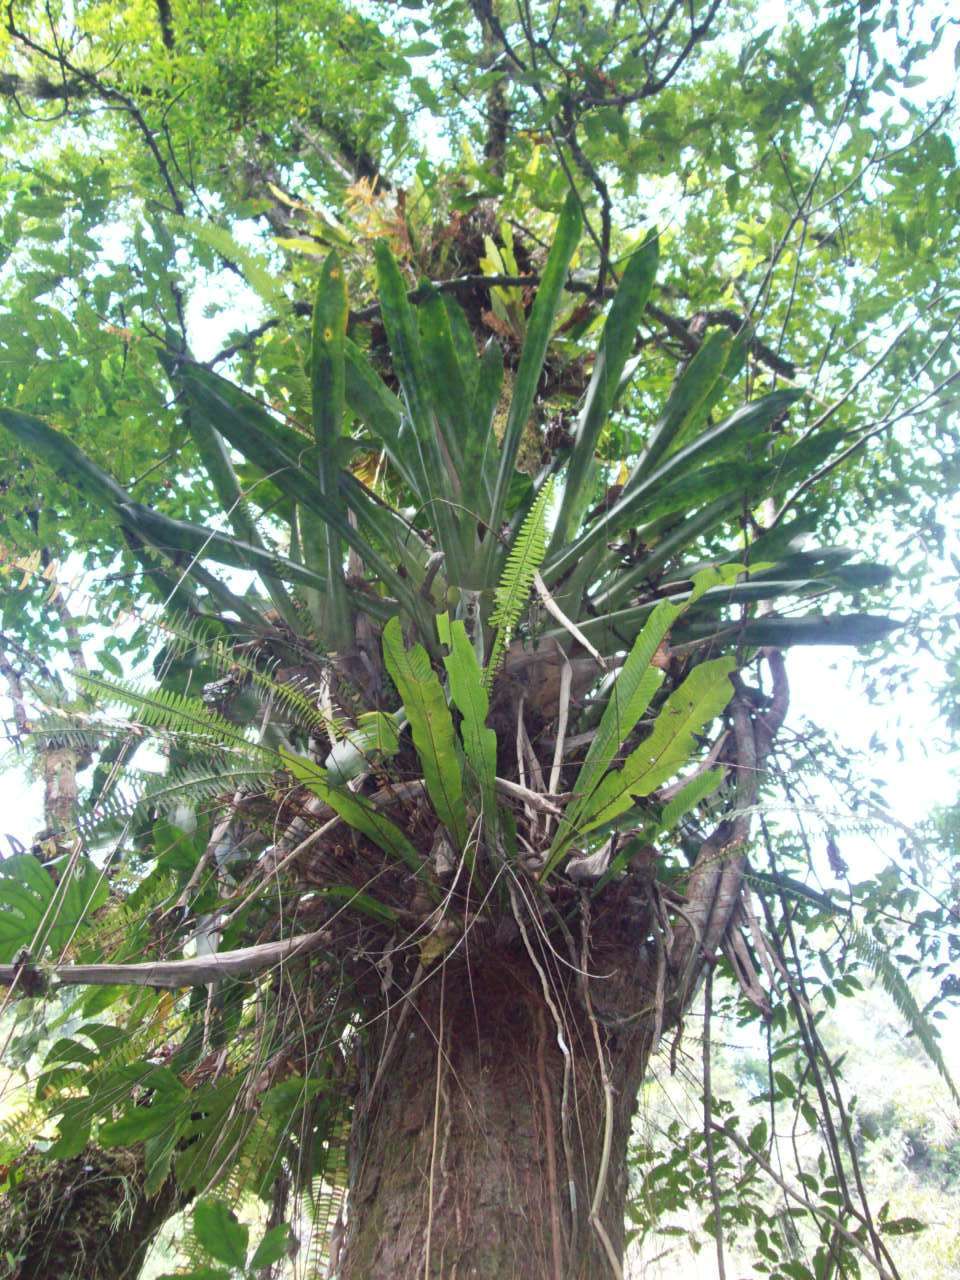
x=497, y=1111
x=86, y=1218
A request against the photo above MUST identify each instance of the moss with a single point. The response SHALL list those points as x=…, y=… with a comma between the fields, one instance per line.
x=86, y=1218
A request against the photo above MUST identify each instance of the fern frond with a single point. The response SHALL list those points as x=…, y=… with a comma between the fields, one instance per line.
x=165, y=709
x=119, y=919
x=187, y=785
x=513, y=592
x=890, y=977
x=20, y=1128
x=299, y=697
x=74, y=730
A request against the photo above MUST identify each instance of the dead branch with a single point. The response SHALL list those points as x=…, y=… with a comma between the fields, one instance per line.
x=243, y=963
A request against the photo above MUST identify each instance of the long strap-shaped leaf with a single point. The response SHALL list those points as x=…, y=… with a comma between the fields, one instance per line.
x=687, y=798
x=695, y=392
x=668, y=746
x=356, y=812
x=259, y=438
x=322, y=544
x=629, y=697
x=431, y=725
x=539, y=330
x=163, y=532
x=734, y=432
x=440, y=479
x=621, y=583
x=626, y=312
x=469, y=694
x=381, y=411
x=216, y=459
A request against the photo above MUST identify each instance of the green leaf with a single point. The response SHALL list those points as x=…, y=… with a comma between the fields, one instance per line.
x=365, y=903
x=513, y=591
x=60, y=453
x=615, y=346
x=903, y=1227
x=272, y=1247
x=256, y=268
x=355, y=811
x=322, y=544
x=688, y=797
x=452, y=372
x=431, y=726
x=445, y=382
x=741, y=427
x=897, y=987
x=166, y=534
x=835, y=628
x=216, y=460
x=376, y=406
x=687, y=403
x=139, y=1123
x=218, y=1231
x=258, y=436
x=469, y=695
x=439, y=479
x=631, y=694
x=374, y=739
x=669, y=745
x=37, y=913
x=539, y=329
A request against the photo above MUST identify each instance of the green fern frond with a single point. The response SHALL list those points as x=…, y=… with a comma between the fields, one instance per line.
x=119, y=919
x=890, y=977
x=298, y=698
x=183, y=633
x=19, y=1129
x=73, y=730
x=187, y=785
x=193, y=785
x=525, y=558
x=165, y=709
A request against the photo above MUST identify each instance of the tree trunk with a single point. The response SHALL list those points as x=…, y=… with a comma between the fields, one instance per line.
x=479, y=1145
x=86, y=1218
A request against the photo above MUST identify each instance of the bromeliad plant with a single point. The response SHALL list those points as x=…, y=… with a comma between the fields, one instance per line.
x=505, y=760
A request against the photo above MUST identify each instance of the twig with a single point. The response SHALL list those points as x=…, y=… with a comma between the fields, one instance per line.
x=817, y=1210
x=707, y=1124
x=604, y=1167
x=551, y=606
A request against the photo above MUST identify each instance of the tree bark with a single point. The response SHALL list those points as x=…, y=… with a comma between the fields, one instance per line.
x=86, y=1218
x=496, y=1115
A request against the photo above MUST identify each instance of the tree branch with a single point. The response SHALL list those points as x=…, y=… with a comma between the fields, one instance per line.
x=165, y=17
x=677, y=328
x=243, y=963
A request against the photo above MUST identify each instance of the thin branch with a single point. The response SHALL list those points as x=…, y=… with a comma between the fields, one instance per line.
x=14, y=679
x=800, y=1197
x=110, y=94
x=678, y=328
x=708, y=1124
